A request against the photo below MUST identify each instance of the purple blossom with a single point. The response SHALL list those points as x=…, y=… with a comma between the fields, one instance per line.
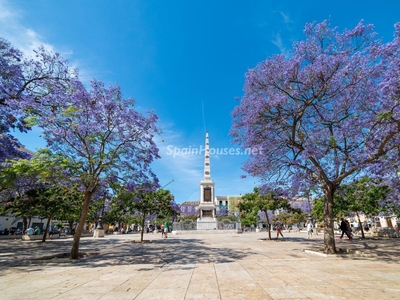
x=324, y=115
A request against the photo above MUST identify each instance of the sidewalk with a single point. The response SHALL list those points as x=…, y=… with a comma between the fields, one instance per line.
x=206, y=266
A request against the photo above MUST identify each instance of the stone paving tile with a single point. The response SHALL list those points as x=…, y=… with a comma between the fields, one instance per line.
x=166, y=293
x=324, y=292
x=203, y=266
x=209, y=288
x=202, y=295
x=128, y=295
x=243, y=292
x=360, y=293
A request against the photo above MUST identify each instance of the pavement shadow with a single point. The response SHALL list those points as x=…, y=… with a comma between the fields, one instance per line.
x=371, y=248
x=164, y=252
x=123, y=252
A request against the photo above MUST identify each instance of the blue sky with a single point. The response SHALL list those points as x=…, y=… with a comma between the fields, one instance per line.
x=180, y=58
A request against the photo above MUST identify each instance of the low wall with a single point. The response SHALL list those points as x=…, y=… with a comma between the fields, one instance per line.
x=40, y=237
x=181, y=232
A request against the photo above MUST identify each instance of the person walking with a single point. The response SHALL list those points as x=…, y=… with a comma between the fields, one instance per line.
x=344, y=229
x=278, y=229
x=162, y=230
x=309, y=229
x=166, y=229
x=37, y=231
x=396, y=230
x=366, y=227
x=349, y=229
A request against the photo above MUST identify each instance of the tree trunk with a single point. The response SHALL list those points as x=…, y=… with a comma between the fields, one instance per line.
x=24, y=224
x=82, y=220
x=142, y=231
x=329, y=234
x=71, y=225
x=360, y=225
x=47, y=228
x=269, y=225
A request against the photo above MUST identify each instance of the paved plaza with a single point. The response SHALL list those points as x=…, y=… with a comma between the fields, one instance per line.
x=200, y=266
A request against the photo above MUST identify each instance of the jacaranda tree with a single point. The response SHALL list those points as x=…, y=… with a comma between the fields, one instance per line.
x=323, y=114
x=103, y=138
x=146, y=201
x=24, y=83
x=363, y=196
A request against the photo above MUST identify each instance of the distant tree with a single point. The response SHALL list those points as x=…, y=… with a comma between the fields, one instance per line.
x=188, y=211
x=222, y=212
x=37, y=186
x=145, y=202
x=248, y=218
x=284, y=218
x=318, y=209
x=257, y=201
x=50, y=201
x=323, y=114
x=297, y=218
x=365, y=195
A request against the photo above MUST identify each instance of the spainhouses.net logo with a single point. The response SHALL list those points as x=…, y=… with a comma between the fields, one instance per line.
x=201, y=150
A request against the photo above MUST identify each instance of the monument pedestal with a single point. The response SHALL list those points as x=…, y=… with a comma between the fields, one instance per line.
x=98, y=233
x=207, y=224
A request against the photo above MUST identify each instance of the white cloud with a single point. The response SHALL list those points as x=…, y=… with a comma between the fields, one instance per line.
x=26, y=39
x=277, y=41
x=11, y=28
x=286, y=18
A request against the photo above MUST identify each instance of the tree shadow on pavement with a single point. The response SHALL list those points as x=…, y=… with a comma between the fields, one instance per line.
x=172, y=251
x=121, y=252
x=378, y=249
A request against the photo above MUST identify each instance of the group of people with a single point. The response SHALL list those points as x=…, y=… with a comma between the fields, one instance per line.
x=164, y=230
x=345, y=228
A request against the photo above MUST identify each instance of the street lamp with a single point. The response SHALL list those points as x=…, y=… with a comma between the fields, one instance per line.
x=309, y=208
x=100, y=221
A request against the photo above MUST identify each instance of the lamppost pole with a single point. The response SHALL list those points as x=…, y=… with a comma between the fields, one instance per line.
x=99, y=232
x=100, y=222
x=309, y=208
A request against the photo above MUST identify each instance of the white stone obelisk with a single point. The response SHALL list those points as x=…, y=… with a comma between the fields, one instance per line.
x=207, y=219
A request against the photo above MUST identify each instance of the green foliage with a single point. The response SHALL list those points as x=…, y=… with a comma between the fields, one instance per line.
x=249, y=218
x=284, y=218
x=38, y=187
x=254, y=202
x=230, y=218
x=364, y=196
x=297, y=218
x=142, y=203
x=59, y=225
x=318, y=209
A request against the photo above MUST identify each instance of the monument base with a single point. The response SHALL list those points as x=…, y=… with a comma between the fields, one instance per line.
x=98, y=233
x=207, y=224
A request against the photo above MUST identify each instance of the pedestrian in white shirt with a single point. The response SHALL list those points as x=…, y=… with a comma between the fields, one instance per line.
x=309, y=229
